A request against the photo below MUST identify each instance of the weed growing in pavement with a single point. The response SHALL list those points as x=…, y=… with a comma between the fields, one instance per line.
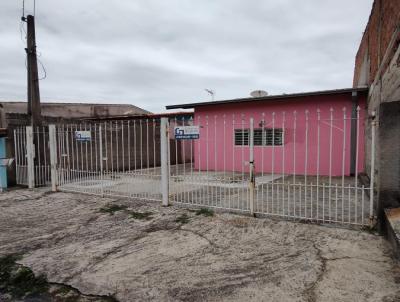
x=183, y=219
x=112, y=208
x=19, y=281
x=205, y=212
x=140, y=215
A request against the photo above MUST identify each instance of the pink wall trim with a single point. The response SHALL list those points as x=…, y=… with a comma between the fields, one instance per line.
x=219, y=121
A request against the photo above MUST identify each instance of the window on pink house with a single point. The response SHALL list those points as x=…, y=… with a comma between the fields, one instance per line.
x=262, y=137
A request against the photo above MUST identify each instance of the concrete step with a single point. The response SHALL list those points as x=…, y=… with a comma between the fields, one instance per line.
x=393, y=228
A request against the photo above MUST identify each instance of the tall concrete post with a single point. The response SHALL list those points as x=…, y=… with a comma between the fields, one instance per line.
x=30, y=157
x=164, y=161
x=34, y=109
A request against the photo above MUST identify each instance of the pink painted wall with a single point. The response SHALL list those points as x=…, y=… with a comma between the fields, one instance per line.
x=215, y=149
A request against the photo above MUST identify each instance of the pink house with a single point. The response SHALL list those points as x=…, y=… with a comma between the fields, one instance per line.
x=314, y=133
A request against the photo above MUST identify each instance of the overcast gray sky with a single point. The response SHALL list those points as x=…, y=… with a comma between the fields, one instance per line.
x=157, y=52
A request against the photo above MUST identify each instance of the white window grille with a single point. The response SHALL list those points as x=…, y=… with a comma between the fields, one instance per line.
x=262, y=137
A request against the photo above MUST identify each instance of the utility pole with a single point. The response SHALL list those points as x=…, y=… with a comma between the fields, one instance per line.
x=34, y=109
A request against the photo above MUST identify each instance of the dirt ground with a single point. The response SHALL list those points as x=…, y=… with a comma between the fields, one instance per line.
x=140, y=251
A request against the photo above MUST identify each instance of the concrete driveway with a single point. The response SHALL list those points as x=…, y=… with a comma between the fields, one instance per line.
x=139, y=251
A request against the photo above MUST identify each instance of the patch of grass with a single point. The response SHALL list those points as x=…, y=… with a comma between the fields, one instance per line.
x=19, y=281
x=62, y=291
x=183, y=219
x=8, y=262
x=25, y=283
x=69, y=294
x=370, y=229
x=110, y=298
x=140, y=215
x=71, y=299
x=112, y=208
x=205, y=212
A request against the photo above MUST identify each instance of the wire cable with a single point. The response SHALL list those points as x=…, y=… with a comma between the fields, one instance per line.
x=23, y=8
x=22, y=31
x=44, y=70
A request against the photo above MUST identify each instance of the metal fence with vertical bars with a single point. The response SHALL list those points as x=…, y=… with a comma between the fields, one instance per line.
x=118, y=158
x=287, y=164
x=32, y=156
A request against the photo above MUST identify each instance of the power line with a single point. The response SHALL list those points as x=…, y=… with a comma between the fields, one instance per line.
x=23, y=39
x=23, y=9
x=44, y=70
x=22, y=31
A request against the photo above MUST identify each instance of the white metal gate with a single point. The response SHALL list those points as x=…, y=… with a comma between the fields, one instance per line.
x=198, y=177
x=32, y=156
x=118, y=158
x=293, y=165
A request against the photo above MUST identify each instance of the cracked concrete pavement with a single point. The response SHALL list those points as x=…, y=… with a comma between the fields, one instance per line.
x=224, y=257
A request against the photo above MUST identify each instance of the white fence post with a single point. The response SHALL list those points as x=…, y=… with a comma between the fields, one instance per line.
x=53, y=156
x=164, y=128
x=30, y=156
x=101, y=160
x=251, y=164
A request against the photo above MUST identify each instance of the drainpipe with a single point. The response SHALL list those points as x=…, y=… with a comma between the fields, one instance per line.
x=353, y=132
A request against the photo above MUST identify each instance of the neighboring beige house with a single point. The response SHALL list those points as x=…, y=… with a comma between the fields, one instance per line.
x=76, y=110
x=14, y=115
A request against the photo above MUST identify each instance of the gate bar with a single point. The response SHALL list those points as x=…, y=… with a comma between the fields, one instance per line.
x=101, y=160
x=53, y=156
x=252, y=176
x=30, y=154
x=164, y=135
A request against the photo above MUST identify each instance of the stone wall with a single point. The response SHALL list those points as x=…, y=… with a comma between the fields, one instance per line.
x=387, y=89
x=389, y=154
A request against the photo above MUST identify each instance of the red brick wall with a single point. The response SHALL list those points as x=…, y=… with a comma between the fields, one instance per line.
x=384, y=18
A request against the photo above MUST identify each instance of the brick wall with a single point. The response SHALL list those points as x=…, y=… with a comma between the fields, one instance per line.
x=384, y=87
x=377, y=65
x=384, y=18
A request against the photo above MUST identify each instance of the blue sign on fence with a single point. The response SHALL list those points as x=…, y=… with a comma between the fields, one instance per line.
x=187, y=132
x=83, y=136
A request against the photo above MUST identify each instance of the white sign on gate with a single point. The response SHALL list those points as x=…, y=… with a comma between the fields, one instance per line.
x=83, y=136
x=187, y=132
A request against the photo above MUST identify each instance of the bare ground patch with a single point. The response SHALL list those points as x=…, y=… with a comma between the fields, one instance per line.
x=145, y=252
